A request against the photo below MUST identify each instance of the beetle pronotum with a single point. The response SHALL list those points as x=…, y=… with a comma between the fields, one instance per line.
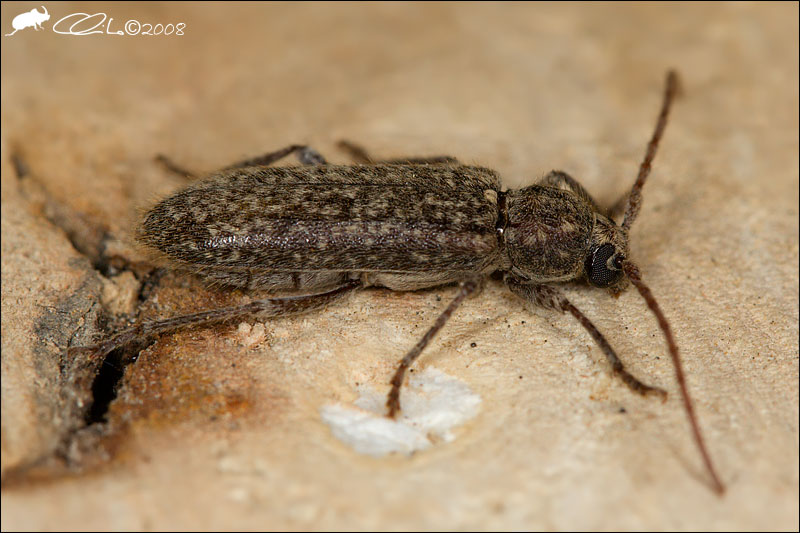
x=326, y=230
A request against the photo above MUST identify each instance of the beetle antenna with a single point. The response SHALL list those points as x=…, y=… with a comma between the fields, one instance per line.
x=635, y=276
x=635, y=196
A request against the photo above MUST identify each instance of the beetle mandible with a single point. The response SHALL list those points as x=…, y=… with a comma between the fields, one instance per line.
x=324, y=230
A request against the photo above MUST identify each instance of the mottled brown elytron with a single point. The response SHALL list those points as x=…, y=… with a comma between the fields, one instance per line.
x=322, y=230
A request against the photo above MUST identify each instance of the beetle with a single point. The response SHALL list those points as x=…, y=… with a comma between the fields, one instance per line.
x=322, y=231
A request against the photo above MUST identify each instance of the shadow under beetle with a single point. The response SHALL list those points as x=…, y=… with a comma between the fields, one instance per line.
x=323, y=231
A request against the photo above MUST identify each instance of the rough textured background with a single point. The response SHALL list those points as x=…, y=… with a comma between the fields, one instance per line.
x=221, y=428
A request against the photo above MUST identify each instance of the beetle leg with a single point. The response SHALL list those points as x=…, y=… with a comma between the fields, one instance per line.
x=562, y=180
x=552, y=298
x=305, y=154
x=618, y=208
x=265, y=308
x=393, y=401
x=360, y=155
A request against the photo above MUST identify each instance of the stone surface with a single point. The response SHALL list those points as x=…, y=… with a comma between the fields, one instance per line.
x=223, y=427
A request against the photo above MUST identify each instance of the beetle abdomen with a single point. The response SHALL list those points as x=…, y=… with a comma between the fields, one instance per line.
x=382, y=218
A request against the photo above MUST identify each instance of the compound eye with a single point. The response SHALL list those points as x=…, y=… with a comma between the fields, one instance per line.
x=600, y=271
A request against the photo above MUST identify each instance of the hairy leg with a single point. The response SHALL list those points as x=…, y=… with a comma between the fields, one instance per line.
x=360, y=155
x=551, y=298
x=265, y=308
x=393, y=401
x=305, y=154
x=562, y=180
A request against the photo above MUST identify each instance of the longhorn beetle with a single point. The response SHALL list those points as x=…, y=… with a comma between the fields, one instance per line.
x=323, y=230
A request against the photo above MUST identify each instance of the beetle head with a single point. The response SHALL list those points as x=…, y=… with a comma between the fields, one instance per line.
x=607, y=252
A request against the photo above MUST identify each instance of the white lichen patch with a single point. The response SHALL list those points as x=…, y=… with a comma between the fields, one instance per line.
x=433, y=405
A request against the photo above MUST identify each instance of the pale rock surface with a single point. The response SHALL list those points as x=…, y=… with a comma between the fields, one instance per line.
x=231, y=427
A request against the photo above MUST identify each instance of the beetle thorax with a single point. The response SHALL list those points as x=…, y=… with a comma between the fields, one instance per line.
x=548, y=233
